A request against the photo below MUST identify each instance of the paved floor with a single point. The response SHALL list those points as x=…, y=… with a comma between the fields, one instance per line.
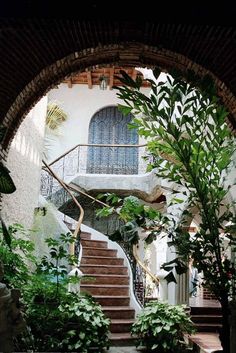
x=208, y=342
x=122, y=350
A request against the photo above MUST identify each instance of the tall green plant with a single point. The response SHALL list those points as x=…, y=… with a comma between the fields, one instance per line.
x=192, y=146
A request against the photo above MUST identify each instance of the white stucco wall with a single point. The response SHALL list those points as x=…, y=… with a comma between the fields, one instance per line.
x=24, y=162
x=80, y=103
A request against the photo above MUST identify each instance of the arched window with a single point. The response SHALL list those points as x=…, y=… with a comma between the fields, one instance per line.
x=109, y=126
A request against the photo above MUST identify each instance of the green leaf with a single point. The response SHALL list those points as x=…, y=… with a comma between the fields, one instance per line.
x=6, y=234
x=7, y=185
x=170, y=278
x=124, y=109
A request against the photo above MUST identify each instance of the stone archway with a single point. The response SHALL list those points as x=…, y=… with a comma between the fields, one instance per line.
x=126, y=54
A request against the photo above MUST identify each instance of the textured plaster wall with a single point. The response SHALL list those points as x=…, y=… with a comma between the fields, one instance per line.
x=80, y=103
x=24, y=162
x=47, y=224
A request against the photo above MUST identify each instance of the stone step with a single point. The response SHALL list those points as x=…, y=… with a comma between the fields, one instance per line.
x=99, y=252
x=119, y=312
x=99, y=244
x=106, y=279
x=111, y=300
x=103, y=269
x=204, y=327
x=85, y=235
x=101, y=260
x=206, y=310
x=106, y=289
x=122, y=339
x=206, y=319
x=121, y=325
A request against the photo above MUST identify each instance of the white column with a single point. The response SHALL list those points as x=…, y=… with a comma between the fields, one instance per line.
x=177, y=293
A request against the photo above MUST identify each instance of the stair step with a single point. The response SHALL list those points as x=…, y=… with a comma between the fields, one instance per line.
x=99, y=244
x=119, y=312
x=122, y=339
x=111, y=300
x=206, y=310
x=85, y=235
x=101, y=260
x=103, y=269
x=105, y=289
x=203, y=327
x=106, y=279
x=206, y=319
x=87, y=251
x=121, y=325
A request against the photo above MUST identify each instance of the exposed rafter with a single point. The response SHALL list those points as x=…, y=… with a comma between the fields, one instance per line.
x=89, y=78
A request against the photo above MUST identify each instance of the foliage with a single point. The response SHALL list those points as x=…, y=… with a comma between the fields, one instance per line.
x=54, y=119
x=56, y=319
x=135, y=215
x=16, y=253
x=161, y=327
x=55, y=116
x=71, y=322
x=192, y=146
x=7, y=185
x=84, y=314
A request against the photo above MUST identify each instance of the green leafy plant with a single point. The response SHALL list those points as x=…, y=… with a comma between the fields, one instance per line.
x=57, y=320
x=71, y=322
x=16, y=254
x=134, y=215
x=161, y=327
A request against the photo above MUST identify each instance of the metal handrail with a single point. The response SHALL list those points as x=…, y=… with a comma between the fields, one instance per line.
x=66, y=187
x=78, y=190
x=93, y=145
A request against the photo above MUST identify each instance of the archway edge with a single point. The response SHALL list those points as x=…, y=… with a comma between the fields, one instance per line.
x=125, y=54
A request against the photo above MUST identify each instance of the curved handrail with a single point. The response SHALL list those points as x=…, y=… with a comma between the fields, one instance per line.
x=66, y=187
x=77, y=229
x=141, y=264
x=92, y=145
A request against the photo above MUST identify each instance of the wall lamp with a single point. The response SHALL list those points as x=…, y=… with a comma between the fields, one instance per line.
x=103, y=82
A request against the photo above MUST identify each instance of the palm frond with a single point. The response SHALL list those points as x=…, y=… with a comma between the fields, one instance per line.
x=55, y=116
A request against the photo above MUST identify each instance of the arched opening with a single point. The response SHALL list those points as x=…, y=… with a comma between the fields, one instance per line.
x=22, y=105
x=128, y=54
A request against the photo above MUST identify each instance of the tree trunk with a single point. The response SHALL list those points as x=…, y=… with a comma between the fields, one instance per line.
x=225, y=330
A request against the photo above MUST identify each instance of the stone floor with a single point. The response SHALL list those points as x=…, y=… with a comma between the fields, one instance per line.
x=207, y=341
x=122, y=350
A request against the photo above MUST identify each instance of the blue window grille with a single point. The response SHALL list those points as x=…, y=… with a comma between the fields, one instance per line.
x=109, y=126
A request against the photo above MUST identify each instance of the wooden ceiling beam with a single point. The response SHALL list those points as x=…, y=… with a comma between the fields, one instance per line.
x=69, y=82
x=134, y=74
x=111, y=81
x=89, y=78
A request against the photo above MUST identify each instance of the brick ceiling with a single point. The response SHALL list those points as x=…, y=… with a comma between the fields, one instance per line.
x=32, y=41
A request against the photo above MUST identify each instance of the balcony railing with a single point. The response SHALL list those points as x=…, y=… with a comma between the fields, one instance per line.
x=78, y=161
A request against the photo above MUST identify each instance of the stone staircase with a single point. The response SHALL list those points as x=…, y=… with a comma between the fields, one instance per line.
x=206, y=319
x=109, y=286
